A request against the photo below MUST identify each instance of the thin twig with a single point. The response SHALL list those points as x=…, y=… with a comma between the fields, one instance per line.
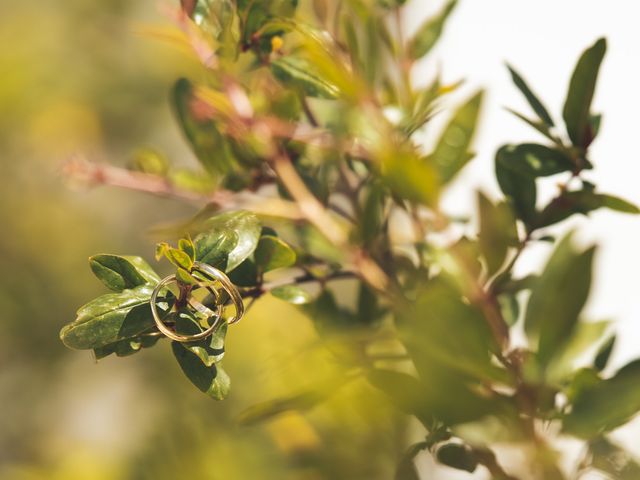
x=94, y=174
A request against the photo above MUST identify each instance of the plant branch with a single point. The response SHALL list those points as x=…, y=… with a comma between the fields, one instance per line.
x=318, y=216
x=94, y=174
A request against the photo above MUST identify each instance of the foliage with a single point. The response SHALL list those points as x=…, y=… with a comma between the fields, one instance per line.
x=291, y=124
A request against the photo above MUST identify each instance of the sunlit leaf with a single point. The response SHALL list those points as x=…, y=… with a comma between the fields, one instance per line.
x=299, y=73
x=292, y=293
x=207, y=142
x=429, y=32
x=272, y=253
x=452, y=150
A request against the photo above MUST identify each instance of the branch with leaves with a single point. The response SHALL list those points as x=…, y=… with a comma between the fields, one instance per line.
x=305, y=171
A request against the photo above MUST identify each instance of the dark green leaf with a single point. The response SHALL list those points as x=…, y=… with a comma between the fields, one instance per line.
x=245, y=274
x=110, y=318
x=535, y=160
x=536, y=125
x=127, y=347
x=452, y=150
x=455, y=455
x=212, y=380
x=533, y=100
x=497, y=232
x=583, y=202
x=602, y=357
x=299, y=73
x=372, y=214
x=518, y=187
x=558, y=298
x=272, y=253
x=207, y=142
x=576, y=112
x=122, y=272
x=292, y=294
x=209, y=350
x=429, y=32
x=228, y=240
x=606, y=405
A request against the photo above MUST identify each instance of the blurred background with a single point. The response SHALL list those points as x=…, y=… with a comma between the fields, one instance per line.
x=78, y=76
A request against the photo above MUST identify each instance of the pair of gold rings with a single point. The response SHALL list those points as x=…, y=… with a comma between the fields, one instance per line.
x=214, y=278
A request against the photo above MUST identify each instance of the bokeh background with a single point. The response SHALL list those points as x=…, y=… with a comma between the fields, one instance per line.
x=80, y=76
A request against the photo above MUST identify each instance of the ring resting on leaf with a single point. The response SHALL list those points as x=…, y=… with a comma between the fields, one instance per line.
x=215, y=276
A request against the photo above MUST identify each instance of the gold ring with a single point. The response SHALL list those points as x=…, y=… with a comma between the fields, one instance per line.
x=215, y=275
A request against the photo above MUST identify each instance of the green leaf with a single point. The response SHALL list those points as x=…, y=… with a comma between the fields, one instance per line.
x=613, y=460
x=586, y=336
x=602, y=357
x=452, y=150
x=518, y=187
x=405, y=392
x=121, y=272
x=605, y=405
x=299, y=73
x=535, y=160
x=299, y=401
x=127, y=347
x=497, y=232
x=292, y=293
x=178, y=258
x=582, y=202
x=509, y=307
x=206, y=141
x=228, y=240
x=212, y=380
x=209, y=350
x=533, y=100
x=429, y=32
x=372, y=214
x=558, y=298
x=576, y=112
x=536, y=125
x=272, y=253
x=410, y=177
x=458, y=456
x=110, y=318
x=427, y=326
x=186, y=245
